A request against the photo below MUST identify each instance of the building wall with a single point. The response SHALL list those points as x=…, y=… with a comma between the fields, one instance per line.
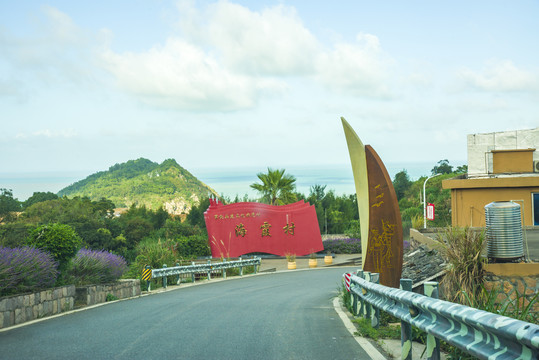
x=480, y=146
x=469, y=197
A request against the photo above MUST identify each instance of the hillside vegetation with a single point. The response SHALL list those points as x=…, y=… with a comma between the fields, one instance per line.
x=142, y=182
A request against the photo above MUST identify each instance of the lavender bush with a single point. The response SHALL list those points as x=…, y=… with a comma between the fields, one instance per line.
x=25, y=269
x=95, y=267
x=343, y=246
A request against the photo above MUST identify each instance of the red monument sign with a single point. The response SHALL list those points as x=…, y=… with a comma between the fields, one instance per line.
x=248, y=227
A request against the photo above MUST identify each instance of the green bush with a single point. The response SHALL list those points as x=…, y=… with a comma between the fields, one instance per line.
x=192, y=246
x=153, y=253
x=61, y=241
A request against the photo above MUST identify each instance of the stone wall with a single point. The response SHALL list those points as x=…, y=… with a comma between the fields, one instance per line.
x=18, y=309
x=96, y=294
x=514, y=281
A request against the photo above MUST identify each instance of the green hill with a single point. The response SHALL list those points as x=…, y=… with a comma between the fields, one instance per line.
x=143, y=182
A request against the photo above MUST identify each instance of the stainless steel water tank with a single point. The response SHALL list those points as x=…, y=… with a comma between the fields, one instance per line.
x=504, y=230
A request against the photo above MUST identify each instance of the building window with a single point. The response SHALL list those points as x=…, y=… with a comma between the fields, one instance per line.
x=535, y=197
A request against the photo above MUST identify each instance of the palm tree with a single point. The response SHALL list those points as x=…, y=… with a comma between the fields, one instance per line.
x=276, y=188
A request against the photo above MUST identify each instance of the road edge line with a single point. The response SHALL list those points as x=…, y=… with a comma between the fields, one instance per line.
x=364, y=343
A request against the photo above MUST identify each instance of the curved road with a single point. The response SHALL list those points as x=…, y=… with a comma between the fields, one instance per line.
x=286, y=315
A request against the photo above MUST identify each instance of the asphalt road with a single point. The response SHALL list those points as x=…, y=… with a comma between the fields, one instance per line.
x=285, y=315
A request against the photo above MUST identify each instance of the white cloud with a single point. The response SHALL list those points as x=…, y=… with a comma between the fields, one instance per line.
x=271, y=42
x=60, y=26
x=228, y=56
x=359, y=68
x=55, y=53
x=180, y=75
x=500, y=76
x=50, y=134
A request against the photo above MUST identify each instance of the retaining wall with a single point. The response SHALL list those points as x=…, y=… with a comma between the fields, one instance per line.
x=18, y=309
x=96, y=294
x=514, y=281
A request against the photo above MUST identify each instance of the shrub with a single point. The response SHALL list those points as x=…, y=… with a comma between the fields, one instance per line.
x=58, y=239
x=153, y=253
x=192, y=246
x=354, y=230
x=95, y=267
x=343, y=246
x=26, y=269
x=464, y=275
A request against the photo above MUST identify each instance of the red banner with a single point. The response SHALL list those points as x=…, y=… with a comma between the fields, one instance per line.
x=247, y=227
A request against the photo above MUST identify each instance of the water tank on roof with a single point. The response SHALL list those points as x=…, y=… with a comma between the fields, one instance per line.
x=504, y=231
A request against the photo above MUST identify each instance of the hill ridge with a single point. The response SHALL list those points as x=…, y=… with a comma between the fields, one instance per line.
x=143, y=182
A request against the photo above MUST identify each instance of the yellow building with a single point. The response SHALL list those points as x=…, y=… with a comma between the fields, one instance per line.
x=502, y=166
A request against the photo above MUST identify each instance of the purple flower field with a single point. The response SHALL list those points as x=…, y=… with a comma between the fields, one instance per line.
x=343, y=246
x=96, y=267
x=26, y=269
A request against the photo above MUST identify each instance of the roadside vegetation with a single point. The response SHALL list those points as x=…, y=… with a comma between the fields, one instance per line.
x=463, y=284
x=69, y=228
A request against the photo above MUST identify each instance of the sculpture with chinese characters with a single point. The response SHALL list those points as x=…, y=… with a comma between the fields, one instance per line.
x=248, y=227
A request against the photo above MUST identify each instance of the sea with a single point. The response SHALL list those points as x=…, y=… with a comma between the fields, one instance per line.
x=229, y=182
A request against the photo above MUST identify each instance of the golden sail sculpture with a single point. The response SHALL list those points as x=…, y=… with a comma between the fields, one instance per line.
x=379, y=214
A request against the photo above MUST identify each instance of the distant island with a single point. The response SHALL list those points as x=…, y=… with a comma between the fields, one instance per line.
x=142, y=182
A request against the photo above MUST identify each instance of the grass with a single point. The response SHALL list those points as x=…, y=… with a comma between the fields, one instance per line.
x=465, y=264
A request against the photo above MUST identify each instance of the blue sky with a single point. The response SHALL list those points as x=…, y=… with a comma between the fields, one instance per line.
x=85, y=85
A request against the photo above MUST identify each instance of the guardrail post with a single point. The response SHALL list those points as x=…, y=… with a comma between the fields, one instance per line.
x=193, y=273
x=241, y=267
x=354, y=302
x=223, y=271
x=367, y=306
x=178, y=280
x=375, y=320
x=433, y=343
x=256, y=267
x=164, y=278
x=209, y=270
x=361, y=309
x=406, y=328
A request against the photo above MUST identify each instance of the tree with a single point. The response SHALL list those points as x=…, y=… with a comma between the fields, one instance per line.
x=39, y=197
x=277, y=188
x=58, y=239
x=401, y=183
x=7, y=203
x=317, y=193
x=195, y=217
x=443, y=167
x=462, y=169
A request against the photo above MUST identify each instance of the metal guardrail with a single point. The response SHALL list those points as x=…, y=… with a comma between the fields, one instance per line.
x=480, y=333
x=208, y=268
